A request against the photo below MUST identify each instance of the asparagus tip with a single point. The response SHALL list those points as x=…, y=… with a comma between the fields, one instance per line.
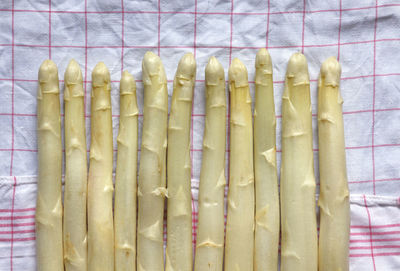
x=298, y=69
x=73, y=74
x=100, y=75
x=151, y=63
x=330, y=71
x=263, y=58
x=127, y=84
x=214, y=71
x=48, y=78
x=47, y=70
x=186, y=67
x=238, y=73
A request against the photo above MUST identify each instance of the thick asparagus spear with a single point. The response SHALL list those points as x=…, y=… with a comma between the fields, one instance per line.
x=334, y=192
x=266, y=178
x=152, y=173
x=299, y=249
x=49, y=244
x=179, y=220
x=210, y=228
x=240, y=221
x=75, y=226
x=100, y=185
x=125, y=179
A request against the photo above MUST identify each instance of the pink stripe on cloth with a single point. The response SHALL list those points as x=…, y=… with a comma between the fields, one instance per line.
x=362, y=36
x=373, y=102
x=201, y=13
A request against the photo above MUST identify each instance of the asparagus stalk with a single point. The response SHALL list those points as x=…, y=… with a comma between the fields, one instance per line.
x=210, y=228
x=298, y=218
x=75, y=227
x=240, y=221
x=49, y=244
x=266, y=178
x=152, y=173
x=125, y=179
x=179, y=220
x=100, y=185
x=334, y=192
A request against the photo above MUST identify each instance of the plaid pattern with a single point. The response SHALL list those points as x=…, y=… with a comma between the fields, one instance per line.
x=362, y=34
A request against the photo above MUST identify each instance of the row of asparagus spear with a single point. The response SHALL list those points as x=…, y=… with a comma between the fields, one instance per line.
x=87, y=235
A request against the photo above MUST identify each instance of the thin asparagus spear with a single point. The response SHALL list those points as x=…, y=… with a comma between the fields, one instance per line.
x=152, y=173
x=75, y=225
x=240, y=221
x=100, y=185
x=179, y=220
x=210, y=228
x=298, y=218
x=49, y=244
x=125, y=178
x=334, y=193
x=266, y=178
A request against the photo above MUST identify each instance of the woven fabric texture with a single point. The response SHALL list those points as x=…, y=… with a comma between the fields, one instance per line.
x=363, y=35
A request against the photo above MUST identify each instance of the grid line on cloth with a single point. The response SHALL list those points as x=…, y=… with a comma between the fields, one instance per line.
x=373, y=103
x=12, y=137
x=159, y=27
x=340, y=28
x=123, y=36
x=202, y=13
x=86, y=59
x=369, y=242
x=303, y=27
x=202, y=81
x=199, y=46
x=370, y=231
x=49, y=29
x=12, y=91
x=268, y=14
x=231, y=35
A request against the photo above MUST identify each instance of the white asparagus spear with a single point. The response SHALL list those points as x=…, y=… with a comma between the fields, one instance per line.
x=299, y=250
x=179, y=216
x=152, y=169
x=334, y=193
x=210, y=228
x=240, y=221
x=49, y=244
x=75, y=225
x=125, y=178
x=266, y=178
x=100, y=185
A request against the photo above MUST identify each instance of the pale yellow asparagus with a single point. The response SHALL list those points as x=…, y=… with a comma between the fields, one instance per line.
x=334, y=193
x=210, y=227
x=239, y=245
x=100, y=185
x=179, y=251
x=299, y=248
x=266, y=178
x=49, y=239
x=152, y=169
x=125, y=178
x=75, y=226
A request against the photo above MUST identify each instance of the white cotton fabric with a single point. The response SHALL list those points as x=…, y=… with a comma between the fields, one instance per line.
x=364, y=35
